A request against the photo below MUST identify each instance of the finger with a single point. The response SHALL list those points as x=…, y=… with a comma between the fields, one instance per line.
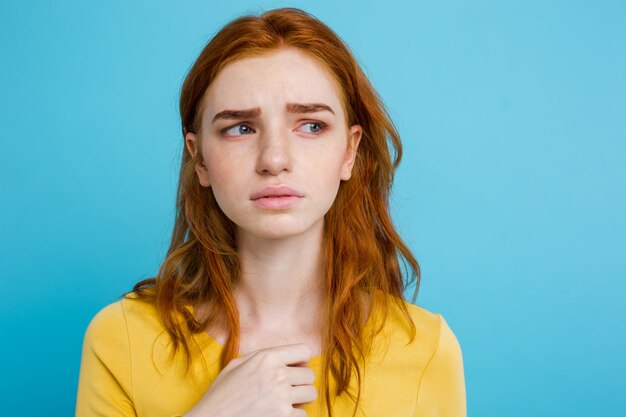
x=234, y=362
x=301, y=376
x=303, y=363
x=298, y=413
x=302, y=394
x=291, y=354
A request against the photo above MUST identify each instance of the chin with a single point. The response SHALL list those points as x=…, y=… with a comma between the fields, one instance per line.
x=277, y=232
x=277, y=229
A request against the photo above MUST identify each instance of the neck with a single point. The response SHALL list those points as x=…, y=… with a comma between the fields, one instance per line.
x=282, y=280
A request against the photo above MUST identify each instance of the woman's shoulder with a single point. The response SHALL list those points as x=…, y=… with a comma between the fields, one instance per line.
x=116, y=319
x=428, y=366
x=425, y=321
x=434, y=324
x=432, y=332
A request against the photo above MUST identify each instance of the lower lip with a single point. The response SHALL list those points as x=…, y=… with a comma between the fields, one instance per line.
x=277, y=202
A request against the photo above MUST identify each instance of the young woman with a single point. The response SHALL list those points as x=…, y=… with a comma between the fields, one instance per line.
x=282, y=291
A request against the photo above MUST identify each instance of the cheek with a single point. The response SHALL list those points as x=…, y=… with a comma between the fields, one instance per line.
x=221, y=165
x=331, y=161
x=327, y=167
x=227, y=194
x=223, y=176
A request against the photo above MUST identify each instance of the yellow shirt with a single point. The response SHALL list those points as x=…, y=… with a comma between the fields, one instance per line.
x=125, y=368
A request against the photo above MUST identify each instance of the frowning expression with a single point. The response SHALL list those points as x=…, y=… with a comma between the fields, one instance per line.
x=275, y=142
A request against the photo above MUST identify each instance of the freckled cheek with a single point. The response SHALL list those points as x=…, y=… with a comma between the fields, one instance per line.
x=330, y=161
x=219, y=164
x=225, y=175
x=230, y=195
x=326, y=174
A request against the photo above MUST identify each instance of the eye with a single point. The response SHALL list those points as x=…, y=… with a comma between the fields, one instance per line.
x=238, y=130
x=312, y=127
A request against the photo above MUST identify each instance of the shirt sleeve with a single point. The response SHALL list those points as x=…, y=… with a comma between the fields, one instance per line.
x=441, y=391
x=104, y=384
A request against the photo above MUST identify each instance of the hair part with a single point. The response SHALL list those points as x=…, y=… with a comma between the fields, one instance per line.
x=362, y=252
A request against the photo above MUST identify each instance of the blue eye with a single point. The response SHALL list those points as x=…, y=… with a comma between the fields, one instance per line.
x=312, y=127
x=238, y=130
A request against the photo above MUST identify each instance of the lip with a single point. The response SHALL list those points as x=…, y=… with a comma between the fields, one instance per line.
x=276, y=192
x=276, y=198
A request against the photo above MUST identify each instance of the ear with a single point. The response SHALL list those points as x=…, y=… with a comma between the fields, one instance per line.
x=354, y=138
x=191, y=142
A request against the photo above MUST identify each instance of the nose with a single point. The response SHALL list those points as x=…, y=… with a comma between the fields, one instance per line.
x=274, y=152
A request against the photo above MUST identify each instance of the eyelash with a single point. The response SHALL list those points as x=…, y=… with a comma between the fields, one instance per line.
x=226, y=129
x=322, y=127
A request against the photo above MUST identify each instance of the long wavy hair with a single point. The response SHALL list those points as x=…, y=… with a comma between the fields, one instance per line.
x=362, y=251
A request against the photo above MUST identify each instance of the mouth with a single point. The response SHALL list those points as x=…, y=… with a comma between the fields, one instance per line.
x=276, y=192
x=281, y=197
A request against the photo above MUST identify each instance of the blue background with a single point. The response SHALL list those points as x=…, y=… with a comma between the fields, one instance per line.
x=512, y=191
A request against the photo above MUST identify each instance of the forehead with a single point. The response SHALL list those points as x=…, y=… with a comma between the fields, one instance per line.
x=286, y=75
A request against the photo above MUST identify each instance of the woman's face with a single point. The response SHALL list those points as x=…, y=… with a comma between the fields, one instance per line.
x=272, y=121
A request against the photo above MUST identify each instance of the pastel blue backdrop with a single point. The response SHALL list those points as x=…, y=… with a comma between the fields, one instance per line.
x=512, y=191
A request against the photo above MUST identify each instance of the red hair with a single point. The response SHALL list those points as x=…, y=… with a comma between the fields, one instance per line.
x=362, y=251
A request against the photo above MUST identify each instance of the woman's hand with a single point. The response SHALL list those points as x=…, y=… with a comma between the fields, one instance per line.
x=266, y=382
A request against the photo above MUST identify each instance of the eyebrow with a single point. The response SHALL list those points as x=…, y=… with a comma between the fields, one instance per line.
x=256, y=112
x=238, y=114
x=308, y=108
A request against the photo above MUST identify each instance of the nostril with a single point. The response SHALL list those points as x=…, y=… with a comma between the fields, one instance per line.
x=274, y=161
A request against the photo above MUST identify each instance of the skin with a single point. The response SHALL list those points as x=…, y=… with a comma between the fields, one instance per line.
x=284, y=141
